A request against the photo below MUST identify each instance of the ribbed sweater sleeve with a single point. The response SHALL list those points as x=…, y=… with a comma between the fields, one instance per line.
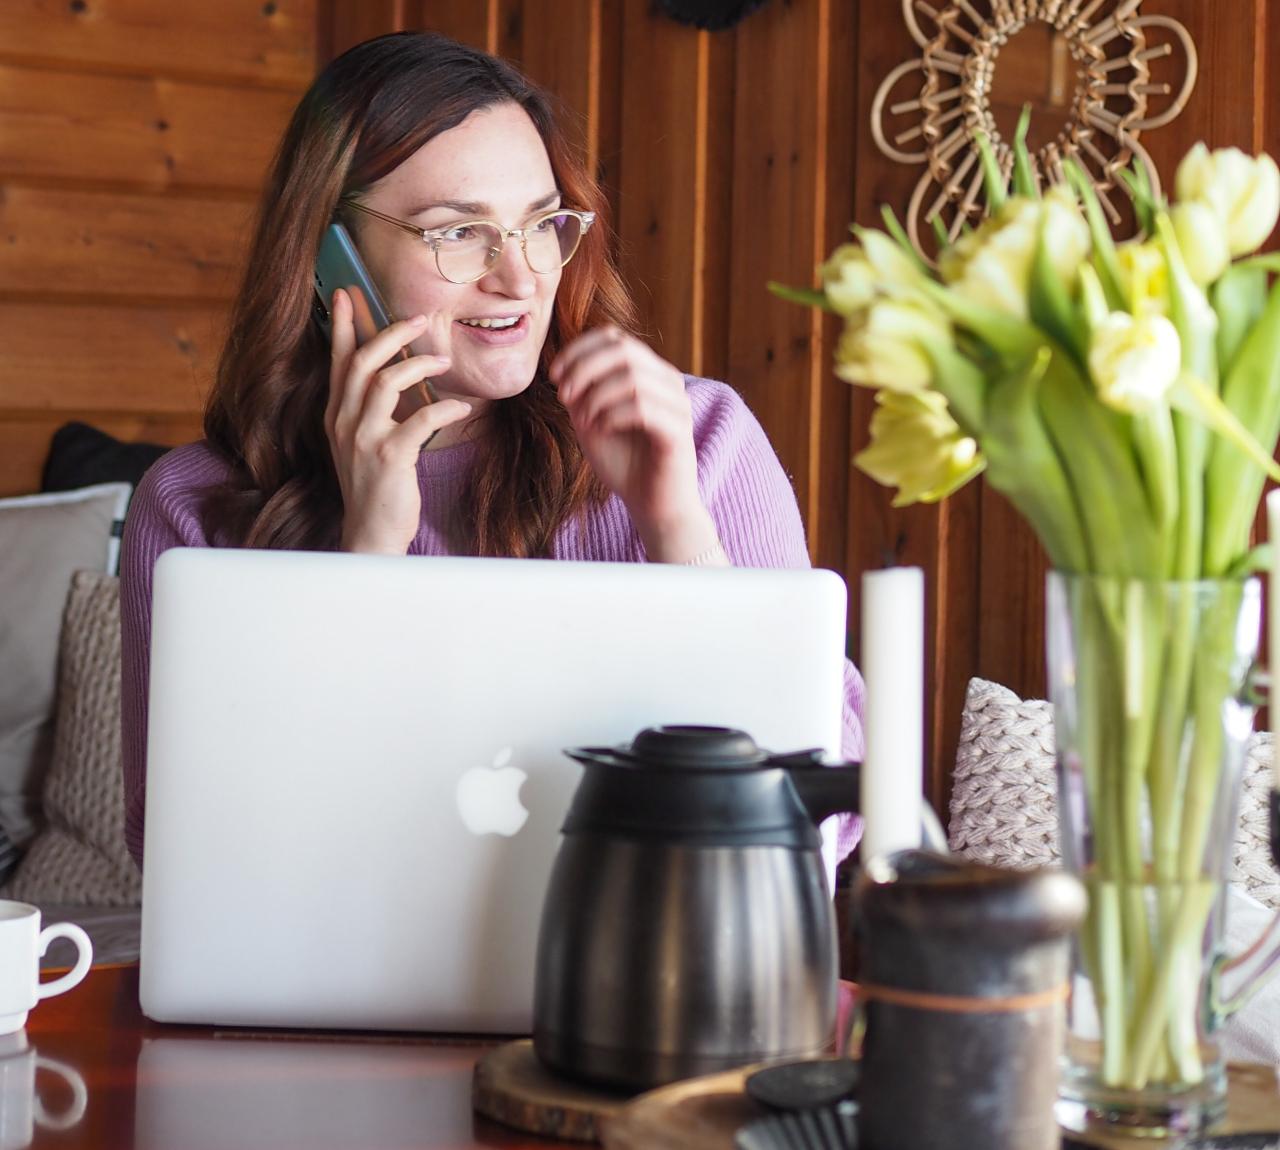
x=164, y=513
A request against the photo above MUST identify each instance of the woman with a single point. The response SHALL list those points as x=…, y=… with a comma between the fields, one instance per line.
x=556, y=433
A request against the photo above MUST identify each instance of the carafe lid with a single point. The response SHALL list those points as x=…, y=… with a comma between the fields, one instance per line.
x=705, y=786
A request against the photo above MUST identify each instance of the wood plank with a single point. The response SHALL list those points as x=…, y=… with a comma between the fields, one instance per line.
x=67, y=125
x=24, y=443
x=775, y=348
x=879, y=534
x=270, y=43
x=661, y=214
x=473, y=22
x=561, y=52
x=54, y=241
x=354, y=21
x=127, y=360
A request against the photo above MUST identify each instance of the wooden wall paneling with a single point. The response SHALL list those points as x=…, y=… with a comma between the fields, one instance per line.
x=354, y=21
x=943, y=540
x=840, y=129
x=24, y=441
x=560, y=50
x=145, y=131
x=662, y=212
x=780, y=354
x=270, y=43
x=58, y=241
x=127, y=359
x=473, y=22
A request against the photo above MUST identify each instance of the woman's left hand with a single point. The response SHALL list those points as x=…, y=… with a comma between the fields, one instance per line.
x=635, y=426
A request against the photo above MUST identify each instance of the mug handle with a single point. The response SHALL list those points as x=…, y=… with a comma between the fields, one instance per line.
x=76, y=974
x=79, y=1097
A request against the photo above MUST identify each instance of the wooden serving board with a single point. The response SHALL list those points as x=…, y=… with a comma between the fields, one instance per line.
x=705, y=1113
x=511, y=1086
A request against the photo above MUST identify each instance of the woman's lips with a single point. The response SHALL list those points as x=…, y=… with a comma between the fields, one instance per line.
x=497, y=336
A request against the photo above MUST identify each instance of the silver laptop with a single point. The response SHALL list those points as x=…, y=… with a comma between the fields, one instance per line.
x=355, y=777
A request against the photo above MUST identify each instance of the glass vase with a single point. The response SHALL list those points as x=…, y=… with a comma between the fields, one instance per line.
x=1152, y=711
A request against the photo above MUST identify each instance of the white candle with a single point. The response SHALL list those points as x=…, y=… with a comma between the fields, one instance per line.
x=1273, y=625
x=893, y=669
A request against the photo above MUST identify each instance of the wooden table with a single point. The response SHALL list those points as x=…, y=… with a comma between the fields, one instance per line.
x=164, y=1087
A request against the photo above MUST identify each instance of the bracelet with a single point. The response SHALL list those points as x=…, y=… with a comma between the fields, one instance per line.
x=713, y=556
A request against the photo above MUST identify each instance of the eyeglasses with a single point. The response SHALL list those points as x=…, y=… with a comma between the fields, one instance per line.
x=468, y=250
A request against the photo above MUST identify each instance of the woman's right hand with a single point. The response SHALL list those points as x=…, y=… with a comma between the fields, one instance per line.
x=375, y=456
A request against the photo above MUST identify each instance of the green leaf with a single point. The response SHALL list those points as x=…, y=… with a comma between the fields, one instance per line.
x=899, y=233
x=1012, y=340
x=1024, y=175
x=1145, y=204
x=1203, y=403
x=1024, y=465
x=940, y=233
x=809, y=297
x=1256, y=561
x=992, y=180
x=1051, y=306
x=1268, y=263
x=1238, y=299
x=1105, y=261
x=1251, y=391
x=962, y=382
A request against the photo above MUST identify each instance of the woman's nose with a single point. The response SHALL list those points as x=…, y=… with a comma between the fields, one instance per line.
x=511, y=273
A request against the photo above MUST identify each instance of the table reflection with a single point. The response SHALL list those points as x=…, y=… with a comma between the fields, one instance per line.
x=248, y=1091
x=24, y=1073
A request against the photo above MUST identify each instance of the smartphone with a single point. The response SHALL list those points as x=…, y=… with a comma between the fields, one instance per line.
x=339, y=265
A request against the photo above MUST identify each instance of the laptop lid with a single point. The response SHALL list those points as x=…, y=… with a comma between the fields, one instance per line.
x=355, y=770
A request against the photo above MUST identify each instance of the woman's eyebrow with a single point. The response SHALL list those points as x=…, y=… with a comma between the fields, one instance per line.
x=472, y=208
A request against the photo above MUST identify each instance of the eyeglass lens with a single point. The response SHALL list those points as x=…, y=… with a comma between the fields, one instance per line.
x=467, y=252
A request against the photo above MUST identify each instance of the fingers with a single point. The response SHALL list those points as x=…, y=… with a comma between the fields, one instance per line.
x=571, y=358
x=363, y=362
x=410, y=435
x=384, y=389
x=342, y=345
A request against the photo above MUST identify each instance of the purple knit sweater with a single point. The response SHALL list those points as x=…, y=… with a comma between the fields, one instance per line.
x=741, y=482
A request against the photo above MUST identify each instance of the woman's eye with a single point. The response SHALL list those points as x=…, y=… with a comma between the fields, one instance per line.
x=459, y=235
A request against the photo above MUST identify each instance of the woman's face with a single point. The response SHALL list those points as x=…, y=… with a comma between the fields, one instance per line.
x=492, y=166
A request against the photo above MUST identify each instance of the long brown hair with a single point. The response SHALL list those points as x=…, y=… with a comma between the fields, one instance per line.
x=367, y=112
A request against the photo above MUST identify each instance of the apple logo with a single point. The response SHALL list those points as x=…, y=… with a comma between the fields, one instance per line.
x=489, y=797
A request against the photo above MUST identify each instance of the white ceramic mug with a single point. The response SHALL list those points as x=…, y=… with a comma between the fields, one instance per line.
x=21, y=1110
x=22, y=945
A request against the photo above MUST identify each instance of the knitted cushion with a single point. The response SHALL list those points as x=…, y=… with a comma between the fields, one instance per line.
x=1004, y=802
x=80, y=857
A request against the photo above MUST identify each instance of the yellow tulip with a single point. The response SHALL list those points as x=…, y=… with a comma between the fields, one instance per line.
x=856, y=274
x=1144, y=275
x=885, y=344
x=1202, y=240
x=1243, y=191
x=992, y=265
x=918, y=448
x=1134, y=360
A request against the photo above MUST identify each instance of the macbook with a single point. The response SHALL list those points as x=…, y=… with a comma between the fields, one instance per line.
x=355, y=768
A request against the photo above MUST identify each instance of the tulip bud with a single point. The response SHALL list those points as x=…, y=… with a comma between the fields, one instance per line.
x=1202, y=239
x=1134, y=361
x=1243, y=191
x=884, y=346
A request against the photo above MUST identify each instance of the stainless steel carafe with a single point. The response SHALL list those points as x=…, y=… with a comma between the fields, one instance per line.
x=687, y=926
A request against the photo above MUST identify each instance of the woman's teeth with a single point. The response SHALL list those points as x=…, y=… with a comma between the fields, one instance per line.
x=494, y=323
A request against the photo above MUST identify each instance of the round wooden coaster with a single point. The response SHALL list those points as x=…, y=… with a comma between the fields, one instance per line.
x=706, y=1113
x=511, y=1086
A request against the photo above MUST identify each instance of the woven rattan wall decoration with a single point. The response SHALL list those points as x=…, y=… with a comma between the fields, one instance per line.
x=1096, y=73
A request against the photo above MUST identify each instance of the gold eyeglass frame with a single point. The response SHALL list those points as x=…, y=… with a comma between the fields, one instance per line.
x=432, y=236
